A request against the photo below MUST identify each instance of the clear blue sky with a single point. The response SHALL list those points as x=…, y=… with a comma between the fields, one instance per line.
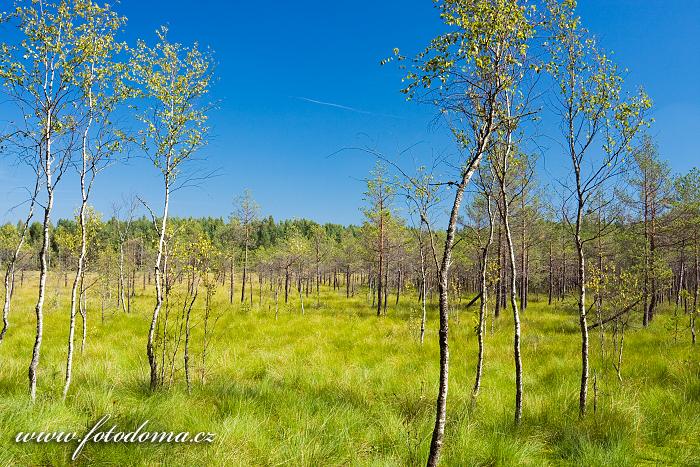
x=274, y=58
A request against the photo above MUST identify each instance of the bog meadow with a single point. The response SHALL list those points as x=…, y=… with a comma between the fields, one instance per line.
x=487, y=308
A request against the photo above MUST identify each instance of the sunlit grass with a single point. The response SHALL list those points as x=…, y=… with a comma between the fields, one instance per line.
x=338, y=386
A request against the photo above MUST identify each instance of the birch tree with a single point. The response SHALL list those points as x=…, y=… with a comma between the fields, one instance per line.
x=463, y=72
x=41, y=74
x=485, y=200
x=598, y=121
x=503, y=160
x=123, y=227
x=172, y=81
x=422, y=193
x=100, y=82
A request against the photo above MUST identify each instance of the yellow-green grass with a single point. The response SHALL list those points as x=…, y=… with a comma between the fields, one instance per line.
x=339, y=386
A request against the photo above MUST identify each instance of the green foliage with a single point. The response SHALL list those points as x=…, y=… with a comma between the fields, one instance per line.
x=64, y=53
x=171, y=80
x=67, y=237
x=466, y=71
x=9, y=237
x=485, y=40
x=590, y=86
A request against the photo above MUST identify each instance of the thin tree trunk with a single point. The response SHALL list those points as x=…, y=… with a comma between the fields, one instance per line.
x=647, y=260
x=277, y=289
x=398, y=286
x=43, y=259
x=121, y=276
x=652, y=260
x=43, y=273
x=438, y=435
x=301, y=299
x=423, y=274
x=79, y=274
x=187, y=343
x=231, y=278
x=505, y=216
x=245, y=268
x=386, y=284
x=74, y=297
x=380, y=278
x=260, y=289
x=484, y=302
x=150, y=345
x=499, y=280
x=82, y=300
x=523, y=251
x=583, y=393
x=318, y=278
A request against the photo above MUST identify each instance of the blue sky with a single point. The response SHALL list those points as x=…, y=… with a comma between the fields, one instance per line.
x=276, y=58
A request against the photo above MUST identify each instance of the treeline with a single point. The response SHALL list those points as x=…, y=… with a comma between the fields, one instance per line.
x=265, y=232
x=650, y=232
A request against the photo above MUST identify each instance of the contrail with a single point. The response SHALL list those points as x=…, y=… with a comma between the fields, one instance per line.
x=345, y=107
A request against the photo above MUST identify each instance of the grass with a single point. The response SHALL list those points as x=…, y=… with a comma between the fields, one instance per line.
x=338, y=386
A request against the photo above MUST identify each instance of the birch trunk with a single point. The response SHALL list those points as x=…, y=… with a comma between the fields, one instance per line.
x=150, y=347
x=583, y=393
x=443, y=283
x=82, y=300
x=74, y=301
x=43, y=259
x=502, y=174
x=121, y=276
x=77, y=281
x=483, y=303
x=516, y=319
